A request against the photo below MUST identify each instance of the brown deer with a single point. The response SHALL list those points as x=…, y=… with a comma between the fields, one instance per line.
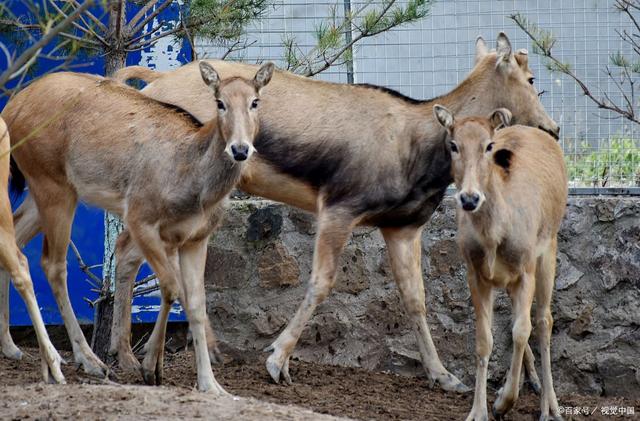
x=353, y=154
x=512, y=194
x=163, y=172
x=15, y=263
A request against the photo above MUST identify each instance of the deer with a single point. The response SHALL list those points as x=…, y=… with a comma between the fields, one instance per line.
x=15, y=263
x=511, y=198
x=352, y=155
x=165, y=173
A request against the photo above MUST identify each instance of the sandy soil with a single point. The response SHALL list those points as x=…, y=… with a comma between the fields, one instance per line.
x=337, y=391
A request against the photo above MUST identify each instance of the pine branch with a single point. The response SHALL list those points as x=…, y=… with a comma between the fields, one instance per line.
x=19, y=62
x=543, y=41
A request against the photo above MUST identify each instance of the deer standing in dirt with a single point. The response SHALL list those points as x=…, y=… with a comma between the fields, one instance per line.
x=15, y=263
x=352, y=154
x=512, y=195
x=163, y=172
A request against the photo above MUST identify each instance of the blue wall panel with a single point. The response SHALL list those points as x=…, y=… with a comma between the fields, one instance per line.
x=88, y=229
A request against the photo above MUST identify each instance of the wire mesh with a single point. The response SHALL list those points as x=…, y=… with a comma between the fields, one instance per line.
x=428, y=58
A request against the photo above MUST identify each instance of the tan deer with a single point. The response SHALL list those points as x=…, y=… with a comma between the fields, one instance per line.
x=512, y=195
x=163, y=172
x=353, y=154
x=15, y=263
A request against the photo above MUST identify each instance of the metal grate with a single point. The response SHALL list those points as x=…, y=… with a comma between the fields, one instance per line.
x=430, y=57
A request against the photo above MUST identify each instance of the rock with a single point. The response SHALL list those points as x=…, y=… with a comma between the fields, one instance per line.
x=581, y=326
x=567, y=274
x=268, y=324
x=225, y=268
x=259, y=264
x=352, y=272
x=264, y=224
x=276, y=267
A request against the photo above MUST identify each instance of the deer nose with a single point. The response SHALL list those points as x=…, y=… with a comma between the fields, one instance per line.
x=240, y=152
x=469, y=201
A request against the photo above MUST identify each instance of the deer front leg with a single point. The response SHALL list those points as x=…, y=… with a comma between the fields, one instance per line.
x=128, y=262
x=404, y=247
x=545, y=277
x=17, y=266
x=193, y=257
x=334, y=228
x=521, y=297
x=164, y=262
x=26, y=220
x=482, y=297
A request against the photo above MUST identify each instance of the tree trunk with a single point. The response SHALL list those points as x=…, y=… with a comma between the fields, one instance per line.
x=115, y=59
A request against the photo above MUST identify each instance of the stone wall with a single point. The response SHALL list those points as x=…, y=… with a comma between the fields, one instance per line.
x=259, y=265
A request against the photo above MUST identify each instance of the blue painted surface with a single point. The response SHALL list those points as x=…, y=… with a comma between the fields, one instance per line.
x=88, y=228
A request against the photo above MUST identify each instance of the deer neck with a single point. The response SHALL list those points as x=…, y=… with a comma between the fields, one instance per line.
x=216, y=172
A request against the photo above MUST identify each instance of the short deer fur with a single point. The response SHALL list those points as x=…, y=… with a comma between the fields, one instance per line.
x=512, y=194
x=15, y=263
x=163, y=172
x=353, y=154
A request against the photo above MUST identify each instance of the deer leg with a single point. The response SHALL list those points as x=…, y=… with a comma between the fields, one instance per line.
x=164, y=262
x=482, y=297
x=521, y=297
x=193, y=257
x=545, y=277
x=404, y=251
x=128, y=262
x=18, y=268
x=334, y=228
x=530, y=370
x=27, y=225
x=57, y=216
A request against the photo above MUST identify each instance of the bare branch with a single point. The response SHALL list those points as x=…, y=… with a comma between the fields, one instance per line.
x=143, y=11
x=237, y=46
x=545, y=50
x=83, y=266
x=149, y=18
x=48, y=37
x=87, y=30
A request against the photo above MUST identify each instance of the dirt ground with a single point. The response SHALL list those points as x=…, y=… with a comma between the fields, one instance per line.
x=337, y=391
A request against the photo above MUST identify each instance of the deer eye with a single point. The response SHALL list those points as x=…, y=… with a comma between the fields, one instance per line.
x=454, y=147
x=254, y=104
x=531, y=80
x=221, y=105
x=490, y=147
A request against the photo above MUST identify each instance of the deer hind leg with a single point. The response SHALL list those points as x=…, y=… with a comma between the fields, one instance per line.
x=482, y=297
x=128, y=262
x=17, y=266
x=404, y=252
x=27, y=225
x=193, y=257
x=334, y=228
x=164, y=262
x=57, y=216
x=521, y=294
x=530, y=370
x=545, y=277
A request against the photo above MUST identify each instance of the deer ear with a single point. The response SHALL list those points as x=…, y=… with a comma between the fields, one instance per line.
x=500, y=118
x=263, y=75
x=444, y=116
x=209, y=76
x=481, y=49
x=503, y=48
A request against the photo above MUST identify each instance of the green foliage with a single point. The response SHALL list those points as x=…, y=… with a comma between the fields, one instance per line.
x=334, y=48
x=223, y=20
x=543, y=42
x=613, y=166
